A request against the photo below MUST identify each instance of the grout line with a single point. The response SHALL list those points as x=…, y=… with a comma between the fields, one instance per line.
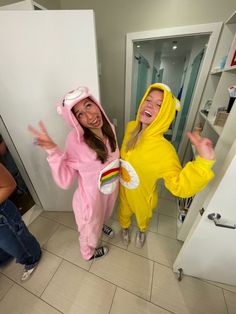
x=66, y=260
x=50, y=236
x=112, y=300
x=30, y=292
x=51, y=278
x=13, y=283
x=152, y=281
x=58, y=222
x=225, y=301
x=125, y=249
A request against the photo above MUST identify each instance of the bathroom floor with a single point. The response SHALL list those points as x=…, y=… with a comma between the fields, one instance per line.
x=127, y=281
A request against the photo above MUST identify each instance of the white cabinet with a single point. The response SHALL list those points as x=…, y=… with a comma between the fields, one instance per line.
x=221, y=77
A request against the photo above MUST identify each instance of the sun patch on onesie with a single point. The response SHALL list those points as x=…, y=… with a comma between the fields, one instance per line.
x=128, y=176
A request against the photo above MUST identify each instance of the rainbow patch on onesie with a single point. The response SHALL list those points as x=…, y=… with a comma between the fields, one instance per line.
x=109, y=177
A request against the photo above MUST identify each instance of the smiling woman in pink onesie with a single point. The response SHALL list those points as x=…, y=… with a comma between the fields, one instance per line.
x=92, y=156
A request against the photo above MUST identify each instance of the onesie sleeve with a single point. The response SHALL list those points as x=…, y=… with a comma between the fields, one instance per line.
x=187, y=181
x=62, y=173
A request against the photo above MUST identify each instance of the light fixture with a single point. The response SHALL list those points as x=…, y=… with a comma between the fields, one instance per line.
x=138, y=46
x=174, y=45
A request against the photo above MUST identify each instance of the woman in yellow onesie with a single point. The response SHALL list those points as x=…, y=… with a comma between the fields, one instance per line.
x=146, y=157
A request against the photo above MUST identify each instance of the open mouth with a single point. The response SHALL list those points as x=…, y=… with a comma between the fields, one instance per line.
x=148, y=113
x=95, y=122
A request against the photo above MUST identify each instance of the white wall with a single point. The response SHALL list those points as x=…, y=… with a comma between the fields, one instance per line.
x=114, y=19
x=173, y=70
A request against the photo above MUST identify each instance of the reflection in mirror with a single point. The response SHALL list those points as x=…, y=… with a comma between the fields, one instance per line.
x=173, y=61
x=21, y=197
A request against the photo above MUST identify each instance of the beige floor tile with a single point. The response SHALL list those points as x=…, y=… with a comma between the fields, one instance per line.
x=41, y=276
x=20, y=301
x=117, y=239
x=222, y=285
x=64, y=218
x=157, y=248
x=127, y=270
x=164, y=193
x=5, y=285
x=42, y=228
x=190, y=295
x=230, y=299
x=65, y=243
x=153, y=222
x=114, y=215
x=167, y=226
x=127, y=303
x=73, y=290
x=167, y=207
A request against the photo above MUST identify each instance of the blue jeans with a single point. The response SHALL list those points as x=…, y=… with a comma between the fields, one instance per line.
x=15, y=239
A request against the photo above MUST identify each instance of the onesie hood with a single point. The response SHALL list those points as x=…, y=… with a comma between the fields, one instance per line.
x=166, y=114
x=65, y=105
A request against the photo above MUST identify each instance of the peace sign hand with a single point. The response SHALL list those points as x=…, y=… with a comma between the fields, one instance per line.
x=203, y=145
x=41, y=137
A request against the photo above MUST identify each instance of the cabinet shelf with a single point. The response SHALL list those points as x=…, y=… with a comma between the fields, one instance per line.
x=203, y=115
x=232, y=68
x=218, y=129
x=217, y=72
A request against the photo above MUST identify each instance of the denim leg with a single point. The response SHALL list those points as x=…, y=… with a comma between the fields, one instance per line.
x=15, y=238
x=4, y=257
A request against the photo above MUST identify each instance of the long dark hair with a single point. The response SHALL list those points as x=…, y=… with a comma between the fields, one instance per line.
x=95, y=143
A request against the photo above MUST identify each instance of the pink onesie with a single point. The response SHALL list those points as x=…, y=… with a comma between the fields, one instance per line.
x=95, y=196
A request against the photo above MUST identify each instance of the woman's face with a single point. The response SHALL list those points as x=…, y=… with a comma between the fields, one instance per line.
x=151, y=106
x=88, y=114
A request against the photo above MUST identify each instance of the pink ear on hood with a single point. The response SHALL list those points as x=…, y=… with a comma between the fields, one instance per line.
x=65, y=105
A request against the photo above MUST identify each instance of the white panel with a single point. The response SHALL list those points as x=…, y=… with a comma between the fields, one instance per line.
x=208, y=252
x=44, y=54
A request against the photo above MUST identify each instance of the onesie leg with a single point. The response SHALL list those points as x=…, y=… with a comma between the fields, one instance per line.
x=125, y=212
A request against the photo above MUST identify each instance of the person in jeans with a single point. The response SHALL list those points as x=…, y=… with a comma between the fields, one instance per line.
x=15, y=239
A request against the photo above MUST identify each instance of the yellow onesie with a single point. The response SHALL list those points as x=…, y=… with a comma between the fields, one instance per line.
x=154, y=158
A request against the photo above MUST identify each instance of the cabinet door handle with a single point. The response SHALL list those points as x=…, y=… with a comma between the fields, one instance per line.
x=216, y=217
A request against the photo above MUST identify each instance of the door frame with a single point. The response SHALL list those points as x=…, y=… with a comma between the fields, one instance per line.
x=211, y=29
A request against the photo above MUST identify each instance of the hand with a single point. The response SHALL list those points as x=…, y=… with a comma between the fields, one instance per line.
x=41, y=137
x=203, y=145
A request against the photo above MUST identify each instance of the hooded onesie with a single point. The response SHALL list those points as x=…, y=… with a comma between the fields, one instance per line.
x=94, y=198
x=153, y=158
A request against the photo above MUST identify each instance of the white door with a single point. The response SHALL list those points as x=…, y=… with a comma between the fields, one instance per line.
x=209, y=252
x=43, y=55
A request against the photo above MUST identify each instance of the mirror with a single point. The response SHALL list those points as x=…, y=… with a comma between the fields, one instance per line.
x=172, y=61
x=24, y=196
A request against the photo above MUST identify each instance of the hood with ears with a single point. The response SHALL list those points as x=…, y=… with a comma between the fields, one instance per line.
x=65, y=105
x=166, y=114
